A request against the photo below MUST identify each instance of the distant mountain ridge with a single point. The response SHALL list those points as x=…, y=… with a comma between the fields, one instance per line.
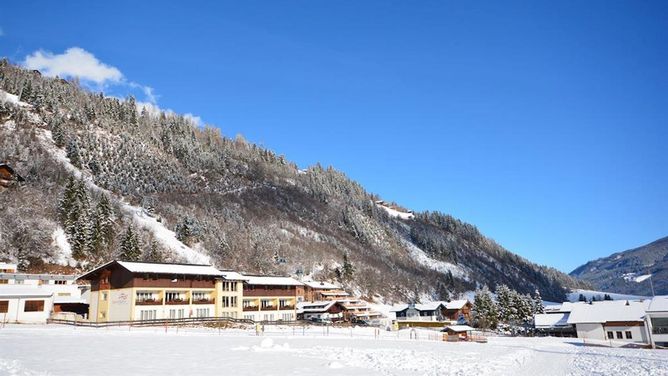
x=616, y=273
x=191, y=194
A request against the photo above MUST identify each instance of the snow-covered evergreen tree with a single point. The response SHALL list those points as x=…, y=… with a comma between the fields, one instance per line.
x=103, y=225
x=129, y=249
x=506, y=303
x=485, y=311
x=538, y=306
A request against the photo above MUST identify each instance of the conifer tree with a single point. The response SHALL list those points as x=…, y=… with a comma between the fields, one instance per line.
x=153, y=254
x=505, y=303
x=485, y=311
x=103, y=225
x=347, y=270
x=73, y=153
x=538, y=306
x=129, y=249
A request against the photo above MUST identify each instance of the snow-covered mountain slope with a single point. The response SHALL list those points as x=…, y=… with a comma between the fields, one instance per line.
x=197, y=196
x=619, y=272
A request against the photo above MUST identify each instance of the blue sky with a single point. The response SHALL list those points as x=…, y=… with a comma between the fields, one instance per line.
x=543, y=123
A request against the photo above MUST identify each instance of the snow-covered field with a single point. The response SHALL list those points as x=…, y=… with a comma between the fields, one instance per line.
x=62, y=350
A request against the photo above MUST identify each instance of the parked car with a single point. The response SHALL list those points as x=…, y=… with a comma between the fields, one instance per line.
x=321, y=320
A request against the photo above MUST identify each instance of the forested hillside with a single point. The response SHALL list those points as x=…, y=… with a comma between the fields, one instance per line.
x=106, y=177
x=619, y=271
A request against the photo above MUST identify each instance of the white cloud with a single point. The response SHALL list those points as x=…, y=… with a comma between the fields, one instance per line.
x=77, y=62
x=155, y=110
x=74, y=62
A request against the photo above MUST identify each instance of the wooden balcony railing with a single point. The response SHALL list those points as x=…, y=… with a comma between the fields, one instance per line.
x=204, y=301
x=250, y=308
x=177, y=302
x=149, y=302
x=268, y=308
x=286, y=307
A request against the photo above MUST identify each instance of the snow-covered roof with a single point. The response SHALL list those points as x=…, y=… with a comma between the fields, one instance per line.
x=313, y=307
x=232, y=276
x=459, y=328
x=162, y=268
x=20, y=291
x=456, y=304
x=564, y=307
x=658, y=304
x=320, y=285
x=431, y=306
x=550, y=320
x=271, y=280
x=608, y=310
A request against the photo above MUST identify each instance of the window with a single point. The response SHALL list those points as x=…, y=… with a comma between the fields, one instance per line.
x=59, y=282
x=64, y=294
x=611, y=335
x=202, y=312
x=104, y=296
x=286, y=317
x=628, y=334
x=659, y=325
x=33, y=306
x=4, y=306
x=147, y=314
x=197, y=296
x=249, y=317
x=174, y=297
x=176, y=313
x=266, y=303
x=144, y=296
x=619, y=335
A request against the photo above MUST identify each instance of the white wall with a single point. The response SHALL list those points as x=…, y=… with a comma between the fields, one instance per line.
x=15, y=312
x=120, y=302
x=590, y=331
x=638, y=333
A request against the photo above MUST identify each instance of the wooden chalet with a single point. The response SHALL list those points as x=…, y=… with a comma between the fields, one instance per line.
x=8, y=177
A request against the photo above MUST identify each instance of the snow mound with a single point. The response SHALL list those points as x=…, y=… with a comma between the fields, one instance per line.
x=267, y=344
x=422, y=258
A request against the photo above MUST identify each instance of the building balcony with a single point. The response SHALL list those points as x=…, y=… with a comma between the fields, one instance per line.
x=268, y=308
x=177, y=302
x=204, y=301
x=250, y=308
x=286, y=307
x=421, y=318
x=149, y=302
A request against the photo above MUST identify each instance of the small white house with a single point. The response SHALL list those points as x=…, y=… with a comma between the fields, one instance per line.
x=612, y=320
x=60, y=292
x=25, y=304
x=656, y=321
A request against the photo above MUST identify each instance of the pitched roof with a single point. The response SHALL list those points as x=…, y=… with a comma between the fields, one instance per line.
x=314, y=307
x=320, y=285
x=551, y=320
x=456, y=304
x=658, y=304
x=271, y=280
x=160, y=268
x=459, y=328
x=233, y=276
x=605, y=311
